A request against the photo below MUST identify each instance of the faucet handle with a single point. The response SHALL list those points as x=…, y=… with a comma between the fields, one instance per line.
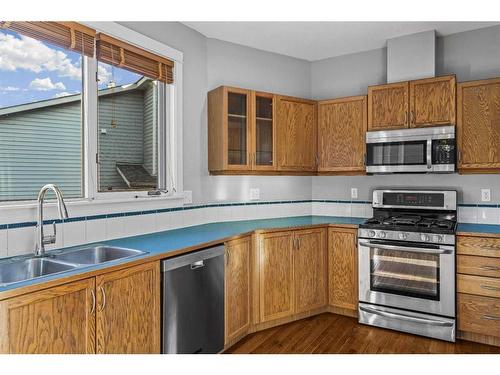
x=50, y=238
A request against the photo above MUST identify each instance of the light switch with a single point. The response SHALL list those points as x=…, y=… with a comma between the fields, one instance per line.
x=254, y=194
x=354, y=193
x=188, y=197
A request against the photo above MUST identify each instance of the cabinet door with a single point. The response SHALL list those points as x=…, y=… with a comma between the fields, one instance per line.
x=341, y=135
x=276, y=275
x=478, y=130
x=237, y=288
x=59, y=320
x=264, y=132
x=388, y=106
x=128, y=310
x=297, y=131
x=310, y=269
x=342, y=268
x=237, y=128
x=432, y=102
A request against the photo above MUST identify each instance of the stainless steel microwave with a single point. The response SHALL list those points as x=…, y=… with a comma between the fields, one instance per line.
x=420, y=150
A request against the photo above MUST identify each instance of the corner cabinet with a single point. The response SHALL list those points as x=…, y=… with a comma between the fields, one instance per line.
x=412, y=104
x=117, y=312
x=296, y=133
x=478, y=126
x=292, y=273
x=241, y=131
x=341, y=135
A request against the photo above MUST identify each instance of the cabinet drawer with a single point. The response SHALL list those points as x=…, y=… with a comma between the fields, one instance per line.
x=483, y=286
x=479, y=266
x=482, y=246
x=479, y=314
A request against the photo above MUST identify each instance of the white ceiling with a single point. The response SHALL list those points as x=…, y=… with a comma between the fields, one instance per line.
x=318, y=40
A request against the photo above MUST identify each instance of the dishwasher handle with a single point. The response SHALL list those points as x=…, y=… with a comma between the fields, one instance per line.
x=192, y=259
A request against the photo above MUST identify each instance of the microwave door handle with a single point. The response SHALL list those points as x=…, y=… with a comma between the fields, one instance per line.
x=404, y=317
x=406, y=248
x=429, y=153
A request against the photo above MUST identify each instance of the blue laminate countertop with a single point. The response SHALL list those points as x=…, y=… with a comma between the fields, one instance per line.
x=478, y=228
x=162, y=243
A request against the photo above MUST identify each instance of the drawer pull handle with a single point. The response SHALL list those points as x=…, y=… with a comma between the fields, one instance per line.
x=491, y=317
x=489, y=287
x=490, y=268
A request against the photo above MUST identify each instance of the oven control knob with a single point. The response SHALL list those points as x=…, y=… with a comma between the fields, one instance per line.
x=424, y=237
x=381, y=234
x=438, y=238
x=371, y=233
x=403, y=236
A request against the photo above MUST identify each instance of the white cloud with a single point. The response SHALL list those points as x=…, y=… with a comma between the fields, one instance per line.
x=103, y=74
x=31, y=54
x=46, y=84
x=10, y=88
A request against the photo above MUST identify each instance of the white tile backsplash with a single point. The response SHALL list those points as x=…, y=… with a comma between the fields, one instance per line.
x=17, y=241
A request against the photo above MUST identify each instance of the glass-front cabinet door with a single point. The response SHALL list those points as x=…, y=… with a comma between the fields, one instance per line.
x=264, y=137
x=238, y=126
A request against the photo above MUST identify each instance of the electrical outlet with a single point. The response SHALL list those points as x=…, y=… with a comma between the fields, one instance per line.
x=485, y=195
x=254, y=194
x=188, y=197
x=354, y=193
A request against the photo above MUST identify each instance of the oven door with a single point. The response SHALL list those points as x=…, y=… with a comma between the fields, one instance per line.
x=412, y=276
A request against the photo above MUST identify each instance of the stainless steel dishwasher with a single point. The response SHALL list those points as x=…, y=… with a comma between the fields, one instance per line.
x=193, y=302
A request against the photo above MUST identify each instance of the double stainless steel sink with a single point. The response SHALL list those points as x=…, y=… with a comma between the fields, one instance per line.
x=16, y=270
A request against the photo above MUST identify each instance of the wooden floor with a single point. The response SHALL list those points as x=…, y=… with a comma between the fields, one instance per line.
x=331, y=333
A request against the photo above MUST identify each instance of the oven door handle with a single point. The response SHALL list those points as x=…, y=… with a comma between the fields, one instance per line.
x=406, y=318
x=426, y=250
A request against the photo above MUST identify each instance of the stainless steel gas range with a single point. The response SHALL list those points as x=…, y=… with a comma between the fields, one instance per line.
x=406, y=260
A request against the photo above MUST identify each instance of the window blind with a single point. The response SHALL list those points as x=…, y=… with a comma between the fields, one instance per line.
x=124, y=55
x=69, y=35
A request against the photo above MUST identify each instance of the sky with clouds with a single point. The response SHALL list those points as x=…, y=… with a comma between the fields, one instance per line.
x=31, y=71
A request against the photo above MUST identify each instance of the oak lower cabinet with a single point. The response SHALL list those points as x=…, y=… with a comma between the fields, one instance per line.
x=296, y=134
x=478, y=126
x=117, y=312
x=237, y=293
x=128, y=310
x=478, y=287
x=58, y=320
x=292, y=274
x=341, y=135
x=343, y=268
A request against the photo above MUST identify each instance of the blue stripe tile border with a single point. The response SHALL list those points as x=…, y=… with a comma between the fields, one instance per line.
x=208, y=205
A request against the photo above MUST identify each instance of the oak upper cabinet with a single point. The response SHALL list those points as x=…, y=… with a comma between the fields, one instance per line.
x=276, y=275
x=128, y=310
x=297, y=134
x=433, y=102
x=241, y=131
x=343, y=268
x=388, y=106
x=229, y=112
x=237, y=288
x=478, y=126
x=310, y=269
x=342, y=127
x=57, y=320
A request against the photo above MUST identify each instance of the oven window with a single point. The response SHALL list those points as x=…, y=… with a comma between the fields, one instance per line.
x=397, y=153
x=405, y=273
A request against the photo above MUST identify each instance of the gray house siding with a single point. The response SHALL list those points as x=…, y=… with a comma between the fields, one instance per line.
x=39, y=147
x=44, y=145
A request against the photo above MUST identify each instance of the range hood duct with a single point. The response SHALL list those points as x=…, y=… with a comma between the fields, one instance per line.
x=411, y=57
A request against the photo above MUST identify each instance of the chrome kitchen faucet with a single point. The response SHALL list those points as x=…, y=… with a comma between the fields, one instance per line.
x=41, y=239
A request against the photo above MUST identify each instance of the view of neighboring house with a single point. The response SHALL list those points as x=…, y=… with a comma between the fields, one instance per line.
x=46, y=137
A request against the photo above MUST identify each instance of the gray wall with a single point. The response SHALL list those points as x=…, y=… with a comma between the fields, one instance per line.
x=209, y=63
x=471, y=55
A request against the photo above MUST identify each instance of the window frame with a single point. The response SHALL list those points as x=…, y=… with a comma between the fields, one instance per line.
x=173, y=122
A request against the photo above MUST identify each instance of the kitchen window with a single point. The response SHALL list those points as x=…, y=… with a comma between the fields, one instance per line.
x=97, y=116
